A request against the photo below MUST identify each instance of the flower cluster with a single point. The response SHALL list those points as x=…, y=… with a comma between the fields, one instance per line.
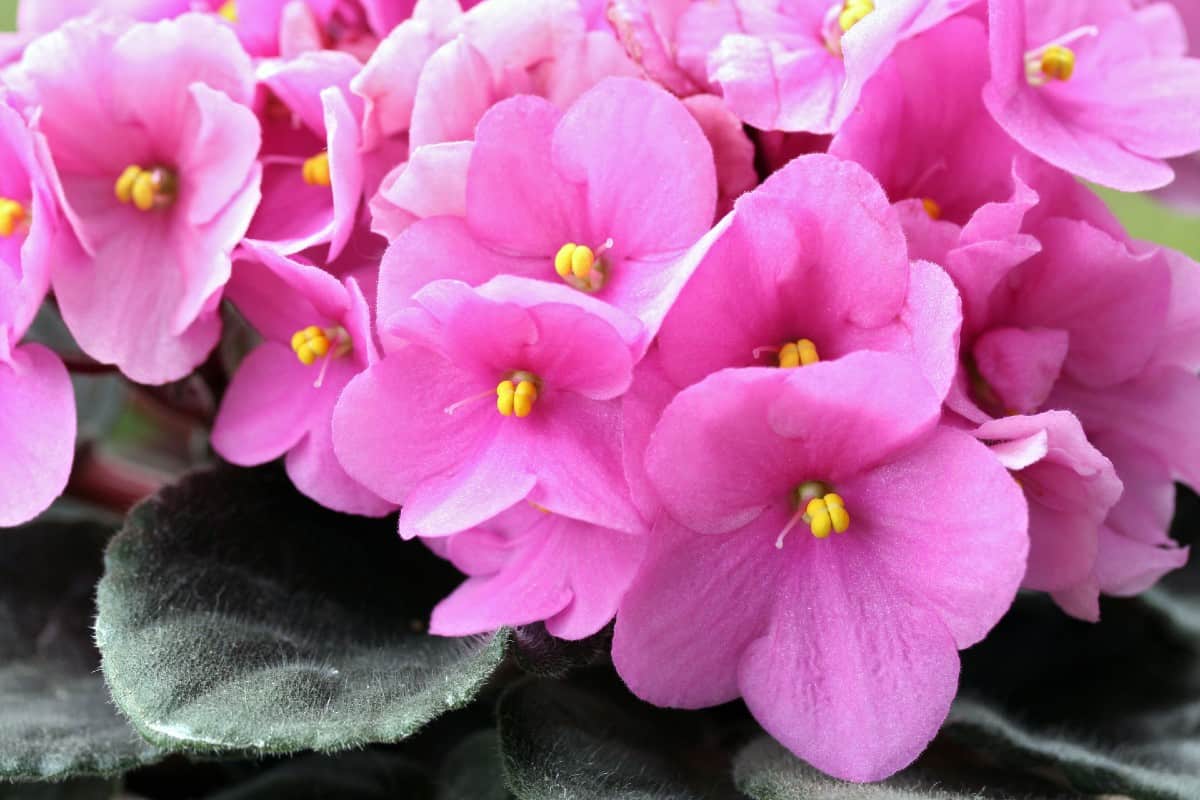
x=780, y=332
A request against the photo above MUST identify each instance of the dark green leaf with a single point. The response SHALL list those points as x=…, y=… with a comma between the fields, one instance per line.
x=237, y=615
x=56, y=719
x=562, y=743
x=474, y=770
x=368, y=775
x=76, y=789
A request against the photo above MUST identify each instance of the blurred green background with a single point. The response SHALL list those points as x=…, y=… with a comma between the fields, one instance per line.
x=1145, y=218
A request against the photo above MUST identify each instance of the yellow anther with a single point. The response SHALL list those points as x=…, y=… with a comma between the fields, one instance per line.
x=229, y=11
x=581, y=267
x=1058, y=62
x=826, y=515
x=313, y=342
x=516, y=397
x=931, y=207
x=12, y=216
x=854, y=12
x=147, y=189
x=316, y=170
x=798, y=354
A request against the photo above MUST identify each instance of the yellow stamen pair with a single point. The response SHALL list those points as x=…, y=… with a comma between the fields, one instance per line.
x=312, y=343
x=516, y=398
x=229, y=11
x=581, y=267
x=827, y=514
x=854, y=12
x=932, y=208
x=798, y=354
x=147, y=189
x=12, y=217
x=316, y=170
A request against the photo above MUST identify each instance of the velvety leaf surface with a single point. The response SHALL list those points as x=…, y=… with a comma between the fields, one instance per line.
x=237, y=615
x=56, y=719
x=474, y=770
x=560, y=741
x=765, y=770
x=76, y=789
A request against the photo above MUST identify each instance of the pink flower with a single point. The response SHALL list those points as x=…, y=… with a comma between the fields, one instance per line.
x=1070, y=486
x=1089, y=326
x=816, y=256
x=156, y=155
x=923, y=132
x=41, y=17
x=37, y=407
x=312, y=166
x=799, y=66
x=317, y=333
x=606, y=198
x=843, y=642
x=506, y=393
x=528, y=565
x=1098, y=89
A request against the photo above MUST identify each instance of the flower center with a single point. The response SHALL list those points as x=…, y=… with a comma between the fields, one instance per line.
x=229, y=11
x=314, y=342
x=840, y=18
x=581, y=267
x=1055, y=61
x=12, y=217
x=818, y=507
x=799, y=353
x=316, y=170
x=517, y=394
x=147, y=189
x=932, y=208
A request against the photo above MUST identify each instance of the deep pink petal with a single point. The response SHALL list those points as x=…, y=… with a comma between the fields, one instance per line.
x=1021, y=364
x=267, y=409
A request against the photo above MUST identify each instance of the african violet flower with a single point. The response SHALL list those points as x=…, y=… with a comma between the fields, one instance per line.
x=37, y=407
x=509, y=393
x=826, y=549
x=797, y=66
x=1083, y=326
x=156, y=155
x=528, y=565
x=1097, y=88
x=317, y=333
x=312, y=166
x=605, y=198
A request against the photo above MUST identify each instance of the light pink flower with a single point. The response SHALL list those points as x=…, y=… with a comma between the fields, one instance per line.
x=624, y=180
x=37, y=407
x=148, y=116
x=1099, y=89
x=458, y=456
x=797, y=66
x=313, y=176
x=528, y=565
x=317, y=333
x=844, y=647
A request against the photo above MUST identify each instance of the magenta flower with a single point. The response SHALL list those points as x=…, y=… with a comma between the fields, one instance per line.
x=817, y=262
x=799, y=66
x=156, y=156
x=1098, y=89
x=37, y=406
x=826, y=549
x=509, y=394
x=1070, y=486
x=312, y=166
x=923, y=132
x=317, y=333
x=528, y=565
x=606, y=198
x=1088, y=326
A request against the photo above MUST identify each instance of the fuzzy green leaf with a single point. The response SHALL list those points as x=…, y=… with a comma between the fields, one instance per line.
x=236, y=615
